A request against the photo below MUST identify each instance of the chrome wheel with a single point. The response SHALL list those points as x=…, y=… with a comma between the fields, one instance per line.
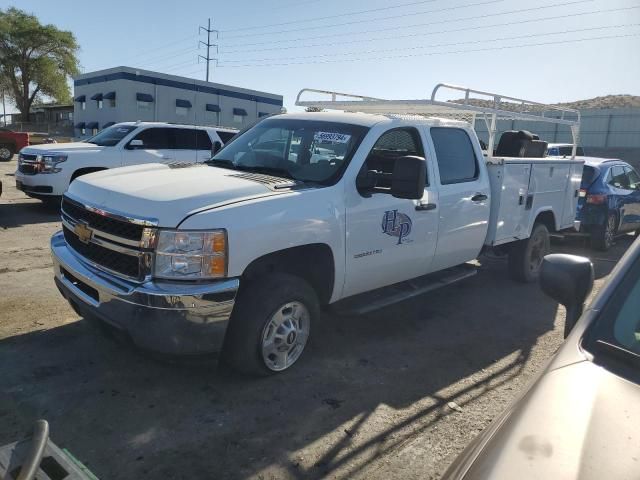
x=5, y=153
x=285, y=336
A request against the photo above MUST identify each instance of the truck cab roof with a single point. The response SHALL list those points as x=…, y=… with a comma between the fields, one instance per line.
x=371, y=119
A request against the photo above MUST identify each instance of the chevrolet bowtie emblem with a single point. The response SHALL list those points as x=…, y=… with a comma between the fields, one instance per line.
x=83, y=232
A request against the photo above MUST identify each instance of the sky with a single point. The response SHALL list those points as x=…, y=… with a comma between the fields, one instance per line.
x=542, y=50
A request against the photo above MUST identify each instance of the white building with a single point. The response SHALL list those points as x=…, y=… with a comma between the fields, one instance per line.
x=121, y=94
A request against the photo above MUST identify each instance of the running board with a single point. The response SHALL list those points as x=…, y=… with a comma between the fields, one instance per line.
x=383, y=297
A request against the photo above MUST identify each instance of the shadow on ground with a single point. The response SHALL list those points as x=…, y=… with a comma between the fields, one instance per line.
x=17, y=214
x=129, y=416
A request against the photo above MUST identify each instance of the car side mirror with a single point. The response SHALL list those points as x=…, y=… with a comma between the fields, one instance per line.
x=215, y=147
x=135, y=143
x=568, y=279
x=409, y=177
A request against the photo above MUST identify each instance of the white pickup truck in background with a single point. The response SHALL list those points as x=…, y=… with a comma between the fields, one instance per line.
x=307, y=210
x=45, y=171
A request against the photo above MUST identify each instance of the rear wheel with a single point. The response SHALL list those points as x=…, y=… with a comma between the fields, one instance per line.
x=602, y=236
x=525, y=257
x=6, y=153
x=270, y=325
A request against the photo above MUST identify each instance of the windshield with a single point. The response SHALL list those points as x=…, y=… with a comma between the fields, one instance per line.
x=304, y=150
x=112, y=135
x=619, y=323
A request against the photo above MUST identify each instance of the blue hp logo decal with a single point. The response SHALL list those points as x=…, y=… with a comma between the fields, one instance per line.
x=396, y=224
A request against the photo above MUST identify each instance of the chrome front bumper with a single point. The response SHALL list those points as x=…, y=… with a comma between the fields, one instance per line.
x=166, y=317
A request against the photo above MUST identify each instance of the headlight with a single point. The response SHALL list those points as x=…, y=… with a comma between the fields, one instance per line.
x=47, y=162
x=191, y=255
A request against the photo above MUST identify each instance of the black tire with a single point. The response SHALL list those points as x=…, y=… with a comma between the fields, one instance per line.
x=525, y=257
x=602, y=236
x=257, y=303
x=6, y=152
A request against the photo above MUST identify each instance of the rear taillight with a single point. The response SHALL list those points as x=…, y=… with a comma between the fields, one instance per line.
x=583, y=193
x=596, y=199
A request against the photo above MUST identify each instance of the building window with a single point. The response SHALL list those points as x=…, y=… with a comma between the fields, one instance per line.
x=144, y=102
x=83, y=131
x=239, y=115
x=144, y=106
x=99, y=104
x=182, y=107
x=110, y=97
x=83, y=105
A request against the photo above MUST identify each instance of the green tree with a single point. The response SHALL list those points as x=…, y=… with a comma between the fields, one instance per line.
x=35, y=60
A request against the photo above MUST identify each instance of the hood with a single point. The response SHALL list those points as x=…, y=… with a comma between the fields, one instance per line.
x=164, y=193
x=577, y=422
x=63, y=147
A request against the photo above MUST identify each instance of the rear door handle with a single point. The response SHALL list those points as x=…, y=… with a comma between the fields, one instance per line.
x=479, y=197
x=426, y=206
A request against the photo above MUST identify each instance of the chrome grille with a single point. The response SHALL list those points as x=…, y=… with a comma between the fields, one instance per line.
x=113, y=242
x=28, y=164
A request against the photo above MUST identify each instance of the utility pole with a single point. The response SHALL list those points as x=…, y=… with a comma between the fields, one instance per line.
x=209, y=45
x=4, y=110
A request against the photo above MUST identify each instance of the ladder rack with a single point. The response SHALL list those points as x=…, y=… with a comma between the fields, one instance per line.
x=491, y=108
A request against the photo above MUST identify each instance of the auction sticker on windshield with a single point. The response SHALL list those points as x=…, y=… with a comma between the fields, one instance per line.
x=334, y=137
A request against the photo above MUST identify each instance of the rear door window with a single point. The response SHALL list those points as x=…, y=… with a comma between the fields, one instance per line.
x=457, y=160
x=203, y=142
x=185, y=138
x=225, y=136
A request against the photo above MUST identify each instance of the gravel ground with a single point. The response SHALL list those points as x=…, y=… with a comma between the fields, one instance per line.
x=368, y=399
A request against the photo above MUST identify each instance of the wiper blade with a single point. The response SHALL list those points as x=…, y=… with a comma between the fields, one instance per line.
x=220, y=162
x=278, y=172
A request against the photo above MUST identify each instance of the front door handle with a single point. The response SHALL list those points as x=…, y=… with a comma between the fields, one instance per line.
x=479, y=197
x=425, y=206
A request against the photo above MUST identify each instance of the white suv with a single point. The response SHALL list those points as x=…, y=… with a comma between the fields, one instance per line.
x=45, y=171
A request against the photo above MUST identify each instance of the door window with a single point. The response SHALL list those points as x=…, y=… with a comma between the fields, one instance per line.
x=185, y=138
x=391, y=146
x=155, y=138
x=618, y=178
x=633, y=178
x=203, y=142
x=456, y=158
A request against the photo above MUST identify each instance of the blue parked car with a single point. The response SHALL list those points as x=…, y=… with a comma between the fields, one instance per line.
x=609, y=202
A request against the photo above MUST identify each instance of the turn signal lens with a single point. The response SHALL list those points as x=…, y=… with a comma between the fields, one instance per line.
x=215, y=266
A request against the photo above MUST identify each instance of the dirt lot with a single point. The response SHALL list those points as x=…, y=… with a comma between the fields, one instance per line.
x=368, y=400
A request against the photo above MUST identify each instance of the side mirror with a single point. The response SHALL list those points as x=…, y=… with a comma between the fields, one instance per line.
x=215, y=147
x=135, y=143
x=568, y=279
x=409, y=178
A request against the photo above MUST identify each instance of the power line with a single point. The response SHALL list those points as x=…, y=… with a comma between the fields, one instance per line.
x=369, y=20
x=423, y=34
x=470, y=42
x=396, y=57
x=475, y=17
x=339, y=15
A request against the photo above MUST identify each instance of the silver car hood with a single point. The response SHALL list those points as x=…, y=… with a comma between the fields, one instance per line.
x=579, y=421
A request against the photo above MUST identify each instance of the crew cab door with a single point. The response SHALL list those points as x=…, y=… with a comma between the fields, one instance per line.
x=155, y=148
x=388, y=239
x=464, y=190
x=190, y=145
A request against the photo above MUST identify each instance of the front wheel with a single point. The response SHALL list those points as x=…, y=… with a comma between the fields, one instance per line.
x=270, y=325
x=525, y=257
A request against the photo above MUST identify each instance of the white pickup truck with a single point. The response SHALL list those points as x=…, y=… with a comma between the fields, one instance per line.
x=45, y=171
x=303, y=211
